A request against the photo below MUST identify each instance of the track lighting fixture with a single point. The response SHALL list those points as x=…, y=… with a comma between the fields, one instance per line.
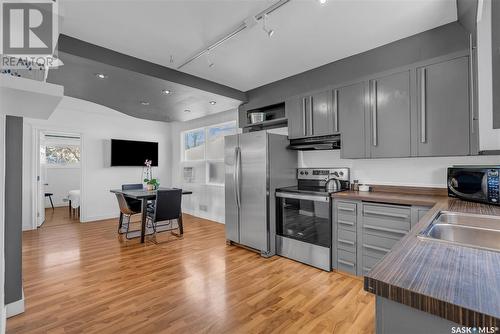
x=269, y=32
x=209, y=61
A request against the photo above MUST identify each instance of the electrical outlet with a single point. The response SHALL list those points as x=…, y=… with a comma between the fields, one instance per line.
x=203, y=207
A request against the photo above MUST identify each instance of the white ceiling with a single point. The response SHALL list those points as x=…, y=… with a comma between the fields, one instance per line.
x=307, y=34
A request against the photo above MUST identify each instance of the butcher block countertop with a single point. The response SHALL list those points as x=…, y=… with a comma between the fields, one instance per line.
x=458, y=283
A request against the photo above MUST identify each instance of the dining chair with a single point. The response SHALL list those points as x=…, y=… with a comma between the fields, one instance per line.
x=134, y=204
x=128, y=212
x=167, y=211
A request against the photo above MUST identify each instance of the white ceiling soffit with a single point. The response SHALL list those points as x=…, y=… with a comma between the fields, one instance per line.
x=307, y=34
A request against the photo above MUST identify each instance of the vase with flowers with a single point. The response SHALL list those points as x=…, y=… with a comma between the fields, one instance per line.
x=151, y=182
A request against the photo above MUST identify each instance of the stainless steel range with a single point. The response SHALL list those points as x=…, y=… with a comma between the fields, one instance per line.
x=304, y=215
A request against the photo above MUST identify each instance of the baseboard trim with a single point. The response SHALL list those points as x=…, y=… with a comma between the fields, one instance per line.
x=97, y=218
x=15, y=308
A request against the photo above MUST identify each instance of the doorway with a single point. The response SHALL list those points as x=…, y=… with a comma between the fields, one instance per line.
x=58, y=175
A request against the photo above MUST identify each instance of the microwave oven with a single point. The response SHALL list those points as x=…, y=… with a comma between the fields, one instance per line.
x=474, y=183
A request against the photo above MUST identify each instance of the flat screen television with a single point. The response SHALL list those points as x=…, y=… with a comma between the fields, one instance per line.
x=133, y=153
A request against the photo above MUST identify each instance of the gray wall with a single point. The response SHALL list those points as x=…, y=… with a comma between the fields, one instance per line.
x=429, y=44
x=13, y=208
x=495, y=46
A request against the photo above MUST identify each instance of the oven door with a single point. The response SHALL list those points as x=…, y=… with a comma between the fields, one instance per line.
x=306, y=218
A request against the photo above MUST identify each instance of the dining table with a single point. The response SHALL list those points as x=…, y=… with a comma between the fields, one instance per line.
x=144, y=196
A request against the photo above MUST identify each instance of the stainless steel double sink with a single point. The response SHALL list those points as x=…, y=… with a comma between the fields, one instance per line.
x=470, y=230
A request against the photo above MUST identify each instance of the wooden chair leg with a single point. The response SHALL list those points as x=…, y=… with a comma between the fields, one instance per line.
x=51, y=203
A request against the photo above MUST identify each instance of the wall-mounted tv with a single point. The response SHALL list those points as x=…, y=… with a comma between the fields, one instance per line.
x=133, y=153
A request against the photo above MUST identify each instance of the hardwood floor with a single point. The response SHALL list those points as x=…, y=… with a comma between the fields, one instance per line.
x=59, y=216
x=83, y=278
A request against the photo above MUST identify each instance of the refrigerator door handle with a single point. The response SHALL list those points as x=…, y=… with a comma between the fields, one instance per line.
x=237, y=168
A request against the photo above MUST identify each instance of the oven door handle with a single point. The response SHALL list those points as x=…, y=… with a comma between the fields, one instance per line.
x=314, y=198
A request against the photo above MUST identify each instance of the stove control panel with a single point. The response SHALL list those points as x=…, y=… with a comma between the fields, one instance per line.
x=323, y=173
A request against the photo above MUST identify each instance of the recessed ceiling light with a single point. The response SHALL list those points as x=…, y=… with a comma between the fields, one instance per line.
x=213, y=102
x=145, y=103
x=166, y=91
x=187, y=110
x=322, y=2
x=101, y=75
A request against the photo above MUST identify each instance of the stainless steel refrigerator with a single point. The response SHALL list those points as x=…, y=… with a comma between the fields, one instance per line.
x=256, y=163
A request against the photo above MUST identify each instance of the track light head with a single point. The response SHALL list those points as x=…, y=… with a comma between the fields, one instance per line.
x=209, y=61
x=269, y=32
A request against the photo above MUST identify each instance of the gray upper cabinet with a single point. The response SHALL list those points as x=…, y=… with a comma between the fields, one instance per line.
x=311, y=115
x=321, y=117
x=444, y=115
x=349, y=105
x=390, y=116
x=295, y=113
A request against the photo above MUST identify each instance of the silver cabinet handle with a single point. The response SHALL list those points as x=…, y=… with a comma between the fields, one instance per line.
x=311, y=116
x=336, y=110
x=341, y=208
x=386, y=214
x=347, y=263
x=346, y=242
x=237, y=174
x=423, y=102
x=471, y=73
x=374, y=112
x=383, y=229
x=304, y=125
x=344, y=222
x=380, y=249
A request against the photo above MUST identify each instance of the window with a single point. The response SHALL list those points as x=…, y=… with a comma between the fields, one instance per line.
x=194, y=145
x=61, y=155
x=206, y=145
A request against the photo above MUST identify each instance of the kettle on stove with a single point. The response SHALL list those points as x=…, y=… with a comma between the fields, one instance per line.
x=332, y=185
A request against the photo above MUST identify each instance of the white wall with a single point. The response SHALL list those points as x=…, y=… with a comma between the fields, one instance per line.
x=489, y=138
x=97, y=125
x=60, y=180
x=423, y=172
x=211, y=196
x=2, y=222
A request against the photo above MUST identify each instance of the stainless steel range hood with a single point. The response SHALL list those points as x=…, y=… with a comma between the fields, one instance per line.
x=331, y=142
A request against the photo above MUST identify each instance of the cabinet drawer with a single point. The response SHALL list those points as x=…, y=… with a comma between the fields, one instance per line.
x=346, y=240
x=391, y=220
x=346, y=208
x=346, y=262
x=374, y=251
x=378, y=241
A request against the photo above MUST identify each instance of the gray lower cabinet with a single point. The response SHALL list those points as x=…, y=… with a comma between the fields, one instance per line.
x=344, y=238
x=349, y=103
x=389, y=128
x=364, y=232
x=444, y=114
